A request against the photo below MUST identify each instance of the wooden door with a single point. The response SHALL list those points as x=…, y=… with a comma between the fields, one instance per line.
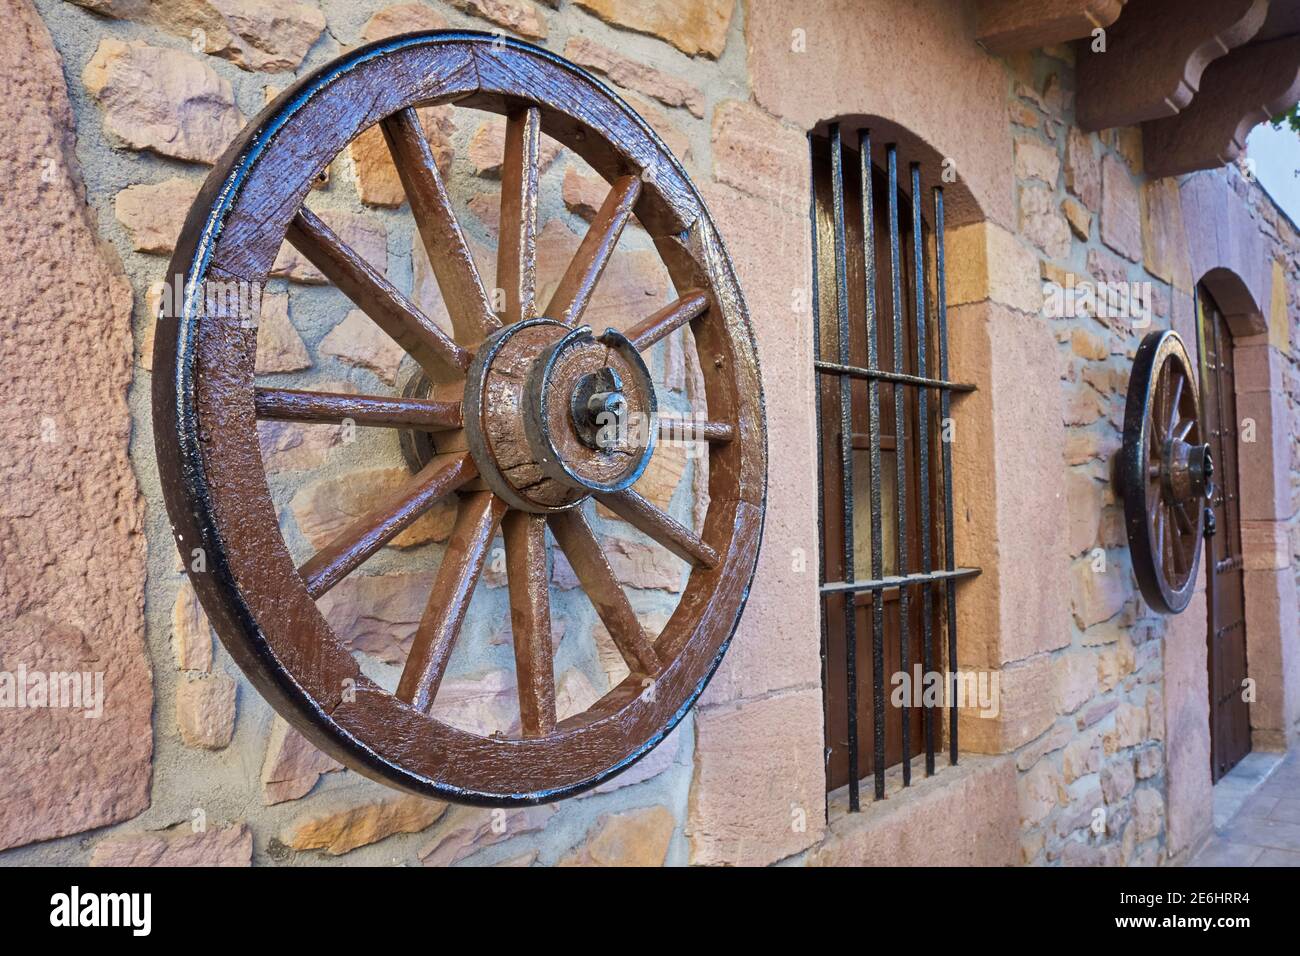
x=1225, y=591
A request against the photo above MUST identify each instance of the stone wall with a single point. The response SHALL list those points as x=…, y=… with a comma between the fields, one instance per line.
x=1092, y=787
x=1093, y=682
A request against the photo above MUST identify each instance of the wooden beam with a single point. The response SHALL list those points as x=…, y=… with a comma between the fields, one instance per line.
x=1009, y=26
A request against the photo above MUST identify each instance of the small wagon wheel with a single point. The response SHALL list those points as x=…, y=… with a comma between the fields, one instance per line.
x=524, y=425
x=1165, y=472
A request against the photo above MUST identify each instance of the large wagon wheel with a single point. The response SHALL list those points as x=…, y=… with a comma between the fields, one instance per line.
x=521, y=435
x=1165, y=472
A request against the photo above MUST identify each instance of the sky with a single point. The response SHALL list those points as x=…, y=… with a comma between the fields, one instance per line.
x=1276, y=155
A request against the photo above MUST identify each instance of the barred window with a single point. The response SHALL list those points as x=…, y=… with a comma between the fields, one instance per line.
x=888, y=575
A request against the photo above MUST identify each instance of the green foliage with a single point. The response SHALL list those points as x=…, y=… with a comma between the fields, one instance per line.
x=1291, y=118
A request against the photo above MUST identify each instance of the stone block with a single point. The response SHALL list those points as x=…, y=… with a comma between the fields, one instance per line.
x=230, y=845
x=758, y=154
x=693, y=26
x=73, y=545
x=266, y=35
x=153, y=213
x=633, y=75
x=1164, y=241
x=345, y=828
x=759, y=784
x=191, y=634
x=1121, y=221
x=518, y=16
x=1083, y=168
x=1037, y=160
x=1025, y=709
x=962, y=816
x=988, y=262
x=163, y=100
x=631, y=838
x=205, y=711
x=292, y=764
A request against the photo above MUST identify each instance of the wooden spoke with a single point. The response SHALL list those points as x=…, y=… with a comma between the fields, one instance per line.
x=1160, y=532
x=1173, y=406
x=1176, y=542
x=444, y=242
x=375, y=295
x=1185, y=428
x=583, y=551
x=574, y=292
x=677, y=538
x=688, y=429
x=530, y=620
x=668, y=319
x=517, y=247
x=333, y=408
x=461, y=566
x=372, y=531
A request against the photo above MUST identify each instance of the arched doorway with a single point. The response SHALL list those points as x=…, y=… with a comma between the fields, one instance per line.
x=1225, y=572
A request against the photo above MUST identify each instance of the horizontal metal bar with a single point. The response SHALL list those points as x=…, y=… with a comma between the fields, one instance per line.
x=1231, y=563
x=880, y=584
x=853, y=371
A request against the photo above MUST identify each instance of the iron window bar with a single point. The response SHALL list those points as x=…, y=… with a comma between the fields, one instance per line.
x=898, y=378
x=900, y=580
x=900, y=460
x=845, y=372
x=846, y=450
x=873, y=445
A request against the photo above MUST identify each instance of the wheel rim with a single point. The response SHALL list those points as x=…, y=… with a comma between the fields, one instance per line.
x=1166, y=472
x=206, y=406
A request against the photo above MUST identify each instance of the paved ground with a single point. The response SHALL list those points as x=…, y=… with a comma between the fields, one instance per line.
x=1256, y=814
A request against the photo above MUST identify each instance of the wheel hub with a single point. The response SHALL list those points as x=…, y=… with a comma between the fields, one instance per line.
x=1186, y=471
x=554, y=414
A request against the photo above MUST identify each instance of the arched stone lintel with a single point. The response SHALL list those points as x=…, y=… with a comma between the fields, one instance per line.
x=961, y=207
x=1227, y=251
x=1235, y=301
x=866, y=40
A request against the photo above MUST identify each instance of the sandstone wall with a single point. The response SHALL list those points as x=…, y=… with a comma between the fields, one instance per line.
x=72, y=548
x=1103, y=700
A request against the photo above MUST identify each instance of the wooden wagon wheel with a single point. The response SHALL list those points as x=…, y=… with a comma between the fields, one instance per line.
x=1165, y=472
x=519, y=435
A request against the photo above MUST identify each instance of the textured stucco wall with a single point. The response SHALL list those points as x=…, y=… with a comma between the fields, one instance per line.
x=1085, y=667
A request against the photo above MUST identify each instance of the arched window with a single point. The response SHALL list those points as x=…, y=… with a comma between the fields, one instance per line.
x=888, y=571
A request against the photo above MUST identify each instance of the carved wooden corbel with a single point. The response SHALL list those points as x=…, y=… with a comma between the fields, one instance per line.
x=1238, y=92
x=1155, y=56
